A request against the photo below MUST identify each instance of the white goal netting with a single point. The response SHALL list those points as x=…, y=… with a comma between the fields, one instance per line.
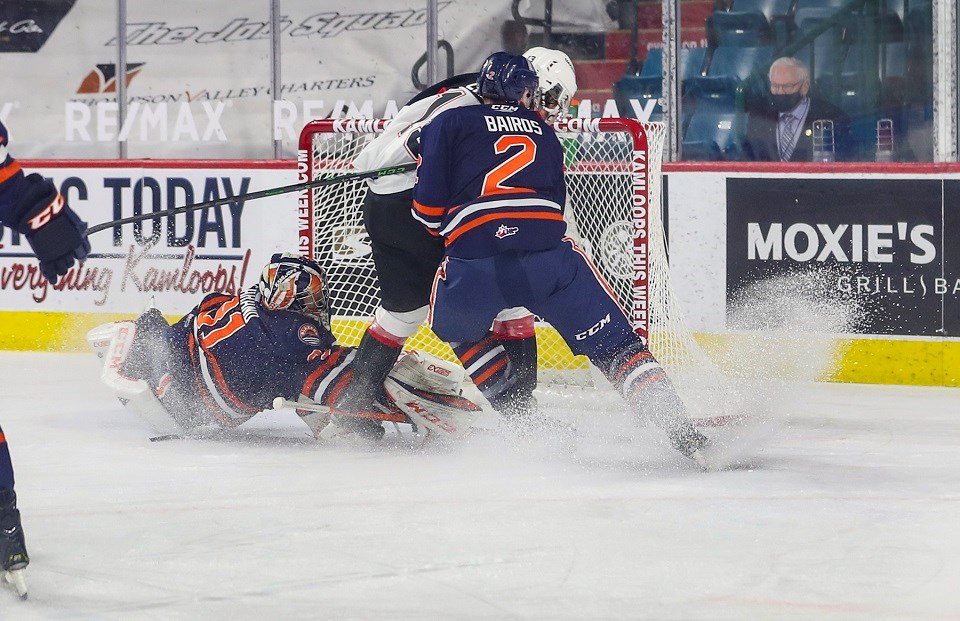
x=614, y=210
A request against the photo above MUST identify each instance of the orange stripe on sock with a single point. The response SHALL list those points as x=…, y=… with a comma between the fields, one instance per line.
x=493, y=369
x=3, y=438
x=338, y=387
x=468, y=355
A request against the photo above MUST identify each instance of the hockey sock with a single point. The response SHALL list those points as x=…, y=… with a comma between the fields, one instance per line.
x=6, y=466
x=492, y=371
x=634, y=371
x=375, y=356
x=519, y=340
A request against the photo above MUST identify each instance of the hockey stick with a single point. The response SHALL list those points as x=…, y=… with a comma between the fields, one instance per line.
x=308, y=406
x=286, y=189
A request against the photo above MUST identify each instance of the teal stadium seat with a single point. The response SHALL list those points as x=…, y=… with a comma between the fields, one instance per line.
x=711, y=136
x=729, y=66
x=738, y=29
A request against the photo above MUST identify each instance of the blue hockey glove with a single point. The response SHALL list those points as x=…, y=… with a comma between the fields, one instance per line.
x=54, y=231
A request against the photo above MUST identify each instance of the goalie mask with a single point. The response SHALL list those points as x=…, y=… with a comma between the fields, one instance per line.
x=294, y=283
x=558, y=83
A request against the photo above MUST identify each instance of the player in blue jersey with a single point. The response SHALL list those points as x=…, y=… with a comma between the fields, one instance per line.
x=232, y=355
x=490, y=184
x=503, y=364
x=32, y=206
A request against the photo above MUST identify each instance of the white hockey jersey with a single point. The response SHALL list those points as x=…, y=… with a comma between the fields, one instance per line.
x=400, y=141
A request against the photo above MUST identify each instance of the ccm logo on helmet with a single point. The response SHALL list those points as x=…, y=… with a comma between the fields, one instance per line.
x=594, y=328
x=48, y=212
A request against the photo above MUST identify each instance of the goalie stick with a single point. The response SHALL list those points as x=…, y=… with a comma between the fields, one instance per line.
x=309, y=406
x=286, y=189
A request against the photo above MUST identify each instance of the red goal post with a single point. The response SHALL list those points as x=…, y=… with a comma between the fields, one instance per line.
x=614, y=211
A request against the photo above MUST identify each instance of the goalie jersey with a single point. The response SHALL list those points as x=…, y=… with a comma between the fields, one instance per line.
x=234, y=356
x=490, y=180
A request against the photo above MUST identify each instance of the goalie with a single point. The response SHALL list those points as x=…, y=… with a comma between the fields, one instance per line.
x=232, y=355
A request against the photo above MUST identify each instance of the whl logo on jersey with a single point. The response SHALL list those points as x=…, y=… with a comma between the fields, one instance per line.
x=506, y=231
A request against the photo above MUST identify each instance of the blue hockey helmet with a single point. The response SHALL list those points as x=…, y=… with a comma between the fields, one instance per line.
x=295, y=283
x=505, y=77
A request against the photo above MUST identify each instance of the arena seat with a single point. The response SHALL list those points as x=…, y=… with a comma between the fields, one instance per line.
x=728, y=67
x=711, y=136
x=777, y=13
x=645, y=87
x=738, y=29
x=653, y=64
x=771, y=9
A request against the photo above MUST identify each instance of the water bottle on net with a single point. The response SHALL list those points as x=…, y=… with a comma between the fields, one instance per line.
x=884, y=140
x=824, y=149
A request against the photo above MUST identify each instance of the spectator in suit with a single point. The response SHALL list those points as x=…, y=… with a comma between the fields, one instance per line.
x=780, y=128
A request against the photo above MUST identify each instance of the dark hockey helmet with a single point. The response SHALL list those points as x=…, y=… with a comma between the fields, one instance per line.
x=505, y=77
x=295, y=283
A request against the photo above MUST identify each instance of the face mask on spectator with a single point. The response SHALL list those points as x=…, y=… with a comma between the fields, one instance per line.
x=785, y=102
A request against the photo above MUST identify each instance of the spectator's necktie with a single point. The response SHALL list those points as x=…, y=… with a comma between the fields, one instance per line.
x=787, y=124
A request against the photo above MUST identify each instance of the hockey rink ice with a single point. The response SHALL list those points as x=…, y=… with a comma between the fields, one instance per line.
x=847, y=508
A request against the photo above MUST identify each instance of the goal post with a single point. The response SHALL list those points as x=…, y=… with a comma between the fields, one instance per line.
x=614, y=212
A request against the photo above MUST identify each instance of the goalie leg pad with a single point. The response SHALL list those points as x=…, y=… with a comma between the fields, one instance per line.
x=133, y=393
x=427, y=390
x=427, y=372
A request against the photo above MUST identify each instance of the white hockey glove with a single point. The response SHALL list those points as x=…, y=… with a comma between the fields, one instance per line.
x=427, y=389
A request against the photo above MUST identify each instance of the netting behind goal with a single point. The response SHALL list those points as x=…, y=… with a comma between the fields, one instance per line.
x=614, y=211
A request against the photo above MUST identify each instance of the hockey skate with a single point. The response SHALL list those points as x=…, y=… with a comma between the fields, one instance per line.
x=691, y=443
x=13, y=550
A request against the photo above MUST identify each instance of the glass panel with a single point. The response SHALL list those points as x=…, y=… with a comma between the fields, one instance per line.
x=367, y=59
x=201, y=78
x=199, y=81
x=54, y=55
x=851, y=81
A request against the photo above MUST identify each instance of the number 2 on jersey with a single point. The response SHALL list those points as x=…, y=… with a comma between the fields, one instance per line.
x=493, y=182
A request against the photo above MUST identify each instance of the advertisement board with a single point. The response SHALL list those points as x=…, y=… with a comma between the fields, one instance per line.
x=170, y=262
x=877, y=243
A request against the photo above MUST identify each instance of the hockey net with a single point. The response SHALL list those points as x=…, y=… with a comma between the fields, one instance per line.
x=614, y=211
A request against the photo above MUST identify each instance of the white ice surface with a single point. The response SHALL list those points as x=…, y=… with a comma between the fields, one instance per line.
x=851, y=511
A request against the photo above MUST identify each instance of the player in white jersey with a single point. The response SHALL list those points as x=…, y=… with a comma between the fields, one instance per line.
x=504, y=364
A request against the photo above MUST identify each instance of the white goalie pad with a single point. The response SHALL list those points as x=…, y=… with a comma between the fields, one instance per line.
x=112, y=343
x=427, y=389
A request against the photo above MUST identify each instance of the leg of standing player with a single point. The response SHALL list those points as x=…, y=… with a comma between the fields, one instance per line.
x=406, y=258
x=562, y=286
x=502, y=362
x=586, y=313
x=13, y=551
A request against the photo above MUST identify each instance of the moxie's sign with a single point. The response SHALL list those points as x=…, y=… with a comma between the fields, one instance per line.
x=889, y=245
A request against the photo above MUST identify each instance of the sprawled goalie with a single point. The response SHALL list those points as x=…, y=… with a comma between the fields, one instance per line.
x=233, y=355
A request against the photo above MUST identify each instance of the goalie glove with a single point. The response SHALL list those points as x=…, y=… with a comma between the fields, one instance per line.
x=427, y=390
